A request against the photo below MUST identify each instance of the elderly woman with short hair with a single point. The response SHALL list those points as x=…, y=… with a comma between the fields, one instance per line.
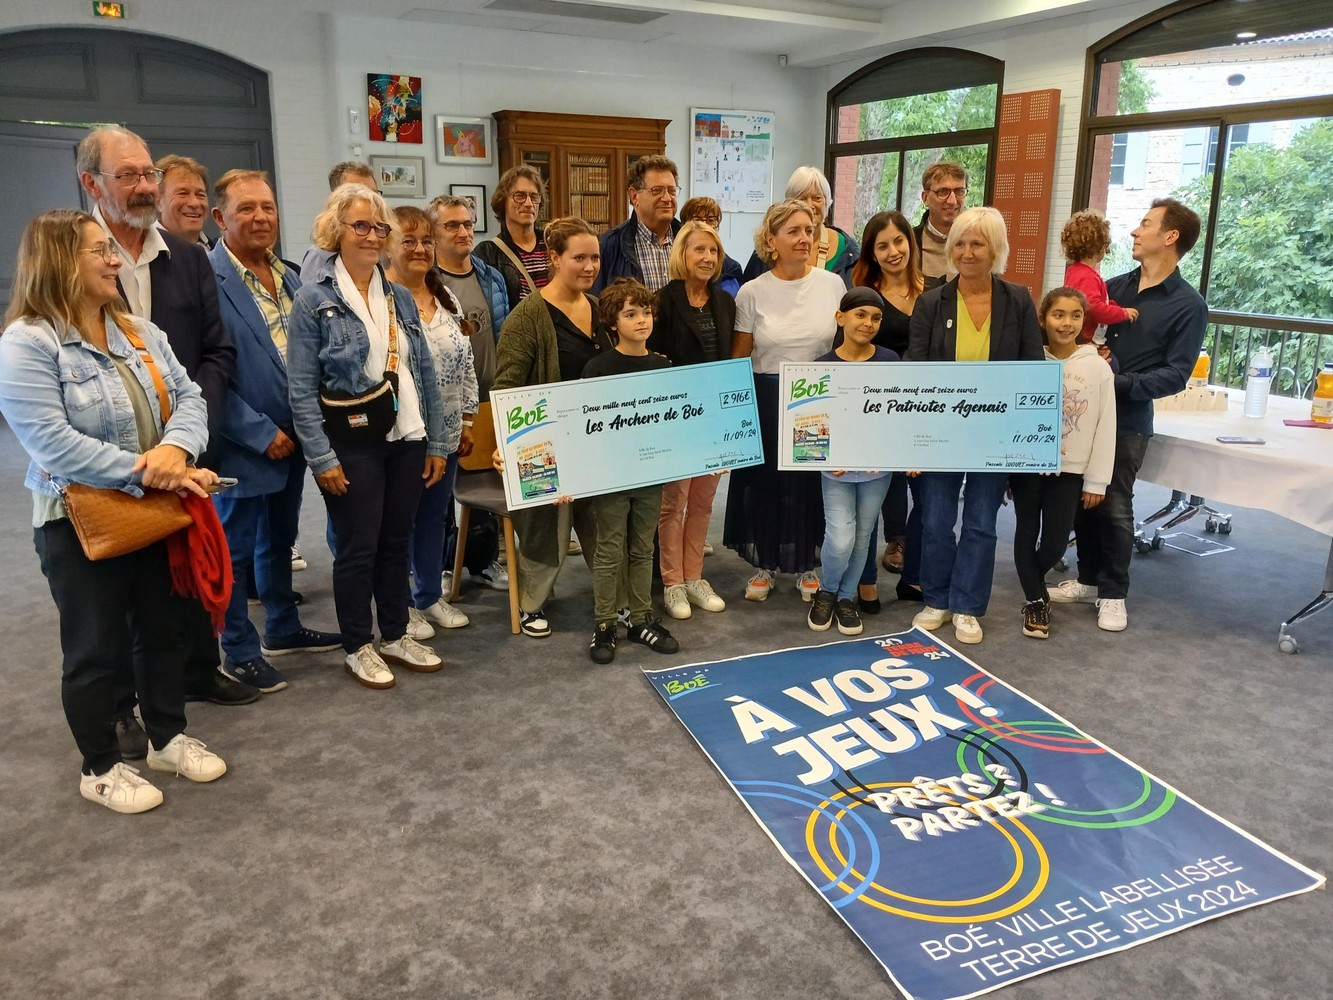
x=368, y=413
x=975, y=316
x=831, y=249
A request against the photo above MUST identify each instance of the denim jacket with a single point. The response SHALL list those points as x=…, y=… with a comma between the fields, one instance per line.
x=69, y=408
x=327, y=345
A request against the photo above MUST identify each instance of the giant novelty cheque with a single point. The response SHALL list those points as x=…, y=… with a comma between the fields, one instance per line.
x=931, y=416
x=587, y=437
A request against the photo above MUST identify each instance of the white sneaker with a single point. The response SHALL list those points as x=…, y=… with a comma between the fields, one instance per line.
x=1072, y=592
x=444, y=614
x=407, y=652
x=967, y=629
x=120, y=790
x=575, y=546
x=494, y=576
x=759, y=586
x=708, y=548
x=930, y=618
x=808, y=585
x=418, y=625
x=368, y=669
x=1111, y=615
x=188, y=758
x=298, y=561
x=677, y=604
x=700, y=594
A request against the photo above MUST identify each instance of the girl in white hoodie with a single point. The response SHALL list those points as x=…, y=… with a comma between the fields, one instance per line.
x=1044, y=504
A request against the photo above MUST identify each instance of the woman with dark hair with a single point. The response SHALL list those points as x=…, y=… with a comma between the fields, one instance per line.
x=888, y=264
x=695, y=322
x=412, y=265
x=975, y=316
x=551, y=337
x=367, y=410
x=97, y=398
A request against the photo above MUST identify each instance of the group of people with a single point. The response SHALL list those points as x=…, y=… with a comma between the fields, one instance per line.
x=138, y=356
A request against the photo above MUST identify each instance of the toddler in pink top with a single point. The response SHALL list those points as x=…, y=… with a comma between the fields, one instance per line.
x=1085, y=239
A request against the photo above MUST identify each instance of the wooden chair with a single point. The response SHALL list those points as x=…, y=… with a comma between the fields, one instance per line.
x=479, y=487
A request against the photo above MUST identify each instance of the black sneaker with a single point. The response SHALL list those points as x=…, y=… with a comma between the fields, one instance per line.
x=303, y=640
x=849, y=622
x=1037, y=619
x=534, y=623
x=654, y=636
x=602, y=649
x=821, y=610
x=131, y=738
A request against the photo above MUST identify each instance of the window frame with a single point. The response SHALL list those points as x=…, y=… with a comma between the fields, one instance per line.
x=901, y=146
x=1221, y=117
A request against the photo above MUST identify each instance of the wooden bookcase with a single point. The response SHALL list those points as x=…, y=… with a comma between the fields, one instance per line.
x=584, y=159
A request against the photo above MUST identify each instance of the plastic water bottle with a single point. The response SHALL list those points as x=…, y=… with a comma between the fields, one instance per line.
x=1259, y=377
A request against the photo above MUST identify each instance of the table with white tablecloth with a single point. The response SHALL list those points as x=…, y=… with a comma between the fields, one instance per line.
x=1290, y=474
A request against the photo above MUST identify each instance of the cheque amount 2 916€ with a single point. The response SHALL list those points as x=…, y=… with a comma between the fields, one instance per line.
x=932, y=416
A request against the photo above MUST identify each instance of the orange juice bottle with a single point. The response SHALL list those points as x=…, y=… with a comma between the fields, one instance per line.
x=1199, y=377
x=1321, y=409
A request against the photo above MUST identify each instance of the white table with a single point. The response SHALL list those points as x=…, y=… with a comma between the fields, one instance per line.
x=1291, y=474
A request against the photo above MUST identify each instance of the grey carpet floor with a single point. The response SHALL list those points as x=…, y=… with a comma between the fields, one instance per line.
x=524, y=824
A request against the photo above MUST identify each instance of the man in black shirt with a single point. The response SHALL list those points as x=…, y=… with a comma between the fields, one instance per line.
x=1152, y=357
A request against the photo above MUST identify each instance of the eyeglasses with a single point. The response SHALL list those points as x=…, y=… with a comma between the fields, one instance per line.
x=519, y=197
x=708, y=220
x=104, y=250
x=453, y=227
x=129, y=178
x=363, y=228
x=947, y=194
x=409, y=244
x=659, y=191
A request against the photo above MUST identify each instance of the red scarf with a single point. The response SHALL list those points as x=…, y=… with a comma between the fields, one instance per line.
x=200, y=560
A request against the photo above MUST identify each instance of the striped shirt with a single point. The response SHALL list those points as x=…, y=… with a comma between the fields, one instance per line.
x=275, y=311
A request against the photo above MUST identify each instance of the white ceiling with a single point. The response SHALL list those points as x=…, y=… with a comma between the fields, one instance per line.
x=808, y=32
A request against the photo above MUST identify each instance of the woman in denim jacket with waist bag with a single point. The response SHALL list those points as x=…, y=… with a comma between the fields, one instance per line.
x=83, y=399
x=349, y=326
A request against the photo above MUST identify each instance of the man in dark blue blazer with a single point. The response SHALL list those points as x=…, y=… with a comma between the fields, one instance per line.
x=257, y=445
x=167, y=281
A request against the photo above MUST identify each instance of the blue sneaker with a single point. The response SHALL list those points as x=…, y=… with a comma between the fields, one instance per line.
x=305, y=640
x=257, y=673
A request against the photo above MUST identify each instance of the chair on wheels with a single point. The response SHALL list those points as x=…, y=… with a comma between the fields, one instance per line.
x=479, y=487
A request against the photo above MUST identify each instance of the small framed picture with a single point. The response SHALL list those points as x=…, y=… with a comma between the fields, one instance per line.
x=400, y=176
x=463, y=140
x=475, y=193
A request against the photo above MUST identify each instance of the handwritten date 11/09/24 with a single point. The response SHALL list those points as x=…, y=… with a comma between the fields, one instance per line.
x=1035, y=438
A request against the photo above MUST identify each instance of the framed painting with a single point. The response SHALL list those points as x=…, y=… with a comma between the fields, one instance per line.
x=400, y=176
x=395, y=108
x=466, y=141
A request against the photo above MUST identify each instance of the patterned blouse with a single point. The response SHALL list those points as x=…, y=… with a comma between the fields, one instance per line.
x=452, y=352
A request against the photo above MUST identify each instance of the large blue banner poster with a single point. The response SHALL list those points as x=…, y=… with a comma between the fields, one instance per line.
x=968, y=836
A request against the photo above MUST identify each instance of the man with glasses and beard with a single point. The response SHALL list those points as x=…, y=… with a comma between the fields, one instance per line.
x=169, y=281
x=484, y=296
x=943, y=188
x=517, y=251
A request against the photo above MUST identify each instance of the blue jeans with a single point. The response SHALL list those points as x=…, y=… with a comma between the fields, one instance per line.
x=428, y=537
x=850, y=513
x=261, y=532
x=956, y=573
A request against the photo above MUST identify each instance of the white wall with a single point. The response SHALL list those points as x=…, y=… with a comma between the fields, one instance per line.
x=477, y=71
x=1037, y=57
x=318, y=65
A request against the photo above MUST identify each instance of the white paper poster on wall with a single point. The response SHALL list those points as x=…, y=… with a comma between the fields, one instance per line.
x=731, y=158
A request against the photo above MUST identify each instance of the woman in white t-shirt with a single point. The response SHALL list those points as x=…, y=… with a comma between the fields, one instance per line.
x=776, y=519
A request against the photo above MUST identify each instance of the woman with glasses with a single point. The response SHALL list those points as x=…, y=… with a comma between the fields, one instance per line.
x=709, y=212
x=412, y=265
x=96, y=397
x=518, y=251
x=551, y=337
x=367, y=410
x=831, y=249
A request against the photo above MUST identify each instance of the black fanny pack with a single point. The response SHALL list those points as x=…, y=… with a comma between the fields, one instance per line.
x=360, y=417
